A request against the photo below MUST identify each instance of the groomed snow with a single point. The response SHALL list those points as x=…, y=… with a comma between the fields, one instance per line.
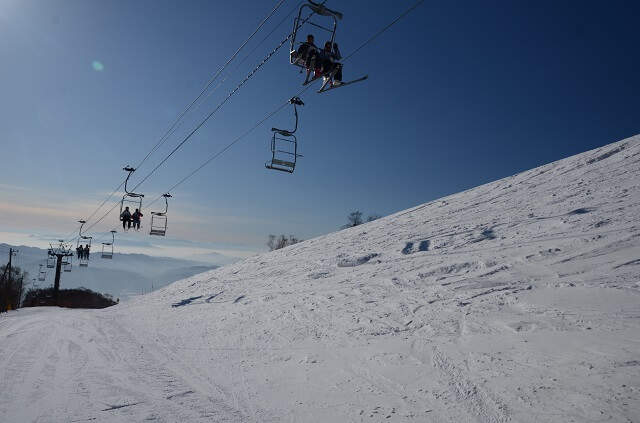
x=517, y=301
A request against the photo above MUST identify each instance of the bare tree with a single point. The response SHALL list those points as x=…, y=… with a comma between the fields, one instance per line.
x=278, y=242
x=271, y=243
x=354, y=219
x=11, y=287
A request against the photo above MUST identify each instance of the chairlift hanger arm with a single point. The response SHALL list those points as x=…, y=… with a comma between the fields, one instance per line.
x=130, y=170
x=321, y=9
x=296, y=102
x=113, y=239
x=166, y=205
x=82, y=222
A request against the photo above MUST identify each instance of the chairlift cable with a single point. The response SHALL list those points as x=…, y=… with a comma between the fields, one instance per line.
x=164, y=137
x=249, y=54
x=224, y=101
x=383, y=29
x=203, y=122
x=271, y=32
x=288, y=102
x=259, y=123
x=196, y=98
x=214, y=111
x=198, y=127
x=103, y=216
x=281, y=107
x=105, y=201
x=96, y=211
x=71, y=235
x=225, y=149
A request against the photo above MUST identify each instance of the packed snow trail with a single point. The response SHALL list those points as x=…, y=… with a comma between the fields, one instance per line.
x=72, y=365
x=518, y=300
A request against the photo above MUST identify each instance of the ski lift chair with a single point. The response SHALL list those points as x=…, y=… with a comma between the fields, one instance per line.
x=86, y=240
x=284, y=149
x=315, y=19
x=131, y=199
x=107, y=247
x=42, y=275
x=66, y=264
x=84, y=259
x=284, y=145
x=51, y=260
x=159, y=219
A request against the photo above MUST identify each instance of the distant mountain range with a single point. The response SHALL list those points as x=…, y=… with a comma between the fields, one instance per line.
x=124, y=276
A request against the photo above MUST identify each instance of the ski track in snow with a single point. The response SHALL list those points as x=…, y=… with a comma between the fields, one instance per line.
x=515, y=301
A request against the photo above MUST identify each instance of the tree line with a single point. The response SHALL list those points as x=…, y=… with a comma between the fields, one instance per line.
x=69, y=298
x=12, y=287
x=14, y=293
x=275, y=242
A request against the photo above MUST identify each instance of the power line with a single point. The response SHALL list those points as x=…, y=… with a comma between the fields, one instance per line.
x=384, y=29
x=209, y=84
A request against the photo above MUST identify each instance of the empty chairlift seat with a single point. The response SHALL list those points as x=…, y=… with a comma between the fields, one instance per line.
x=107, y=247
x=284, y=145
x=159, y=219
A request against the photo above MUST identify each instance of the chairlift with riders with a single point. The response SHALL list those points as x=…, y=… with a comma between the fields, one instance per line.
x=130, y=199
x=305, y=57
x=284, y=145
x=86, y=240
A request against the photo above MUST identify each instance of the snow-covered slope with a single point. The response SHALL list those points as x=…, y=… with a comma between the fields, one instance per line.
x=518, y=300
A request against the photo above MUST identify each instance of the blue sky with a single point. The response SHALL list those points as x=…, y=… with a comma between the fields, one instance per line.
x=460, y=93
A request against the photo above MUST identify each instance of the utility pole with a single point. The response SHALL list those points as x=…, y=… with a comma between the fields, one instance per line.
x=7, y=270
x=10, y=277
x=6, y=277
x=60, y=253
x=9, y=265
x=4, y=273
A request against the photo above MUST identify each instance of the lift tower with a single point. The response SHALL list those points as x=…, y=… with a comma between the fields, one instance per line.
x=63, y=255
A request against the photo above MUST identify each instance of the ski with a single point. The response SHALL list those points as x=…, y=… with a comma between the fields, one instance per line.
x=315, y=78
x=327, y=87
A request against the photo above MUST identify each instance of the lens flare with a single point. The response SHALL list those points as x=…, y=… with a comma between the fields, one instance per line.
x=98, y=66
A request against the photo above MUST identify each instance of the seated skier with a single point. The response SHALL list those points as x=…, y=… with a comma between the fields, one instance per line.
x=307, y=55
x=332, y=69
x=136, y=219
x=125, y=216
